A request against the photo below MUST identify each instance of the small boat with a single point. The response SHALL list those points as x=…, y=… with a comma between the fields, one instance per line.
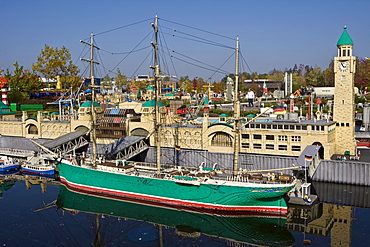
x=8, y=164
x=42, y=165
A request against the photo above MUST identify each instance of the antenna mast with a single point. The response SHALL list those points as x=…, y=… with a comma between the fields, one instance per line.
x=93, y=115
x=236, y=111
x=157, y=121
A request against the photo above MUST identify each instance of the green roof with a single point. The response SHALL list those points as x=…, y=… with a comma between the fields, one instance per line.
x=151, y=103
x=229, y=125
x=4, y=109
x=88, y=104
x=2, y=105
x=150, y=87
x=345, y=39
x=223, y=115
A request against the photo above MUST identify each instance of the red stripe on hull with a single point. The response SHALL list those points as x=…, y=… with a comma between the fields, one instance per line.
x=177, y=204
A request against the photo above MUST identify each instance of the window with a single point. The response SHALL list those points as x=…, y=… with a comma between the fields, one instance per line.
x=263, y=126
x=257, y=126
x=296, y=138
x=291, y=127
x=304, y=127
x=257, y=145
x=270, y=146
x=283, y=147
x=347, y=124
x=274, y=126
x=268, y=126
x=33, y=130
x=270, y=137
x=286, y=127
x=257, y=137
x=282, y=138
x=222, y=140
x=280, y=127
x=298, y=127
x=245, y=145
x=245, y=136
x=296, y=148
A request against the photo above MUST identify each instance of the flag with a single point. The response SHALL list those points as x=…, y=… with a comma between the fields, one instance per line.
x=307, y=158
x=278, y=110
x=264, y=87
x=177, y=147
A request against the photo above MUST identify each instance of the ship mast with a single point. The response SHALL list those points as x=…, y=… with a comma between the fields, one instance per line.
x=236, y=112
x=157, y=120
x=93, y=113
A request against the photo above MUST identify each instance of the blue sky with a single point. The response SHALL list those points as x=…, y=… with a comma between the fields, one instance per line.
x=273, y=34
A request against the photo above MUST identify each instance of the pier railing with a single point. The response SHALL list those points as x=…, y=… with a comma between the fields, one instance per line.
x=16, y=152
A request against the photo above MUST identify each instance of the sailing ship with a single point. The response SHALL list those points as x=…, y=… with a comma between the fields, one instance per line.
x=250, y=229
x=219, y=192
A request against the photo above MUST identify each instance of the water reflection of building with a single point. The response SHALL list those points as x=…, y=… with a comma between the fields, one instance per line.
x=322, y=219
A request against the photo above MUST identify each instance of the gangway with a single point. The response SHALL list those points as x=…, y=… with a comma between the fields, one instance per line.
x=124, y=148
x=68, y=142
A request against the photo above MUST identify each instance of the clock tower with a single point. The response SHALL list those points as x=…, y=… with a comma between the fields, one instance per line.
x=344, y=99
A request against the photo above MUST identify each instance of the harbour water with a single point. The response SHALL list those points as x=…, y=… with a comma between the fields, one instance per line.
x=38, y=211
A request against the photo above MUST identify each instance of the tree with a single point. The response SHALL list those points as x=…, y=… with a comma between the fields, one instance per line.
x=315, y=77
x=121, y=80
x=276, y=75
x=362, y=76
x=22, y=83
x=185, y=84
x=329, y=75
x=54, y=62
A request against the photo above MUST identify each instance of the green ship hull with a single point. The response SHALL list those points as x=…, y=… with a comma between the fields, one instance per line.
x=257, y=231
x=217, y=197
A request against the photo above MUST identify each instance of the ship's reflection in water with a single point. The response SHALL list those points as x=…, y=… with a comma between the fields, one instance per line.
x=40, y=212
x=139, y=224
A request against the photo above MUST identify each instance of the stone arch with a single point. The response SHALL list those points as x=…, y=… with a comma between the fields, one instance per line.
x=32, y=129
x=139, y=132
x=221, y=139
x=82, y=128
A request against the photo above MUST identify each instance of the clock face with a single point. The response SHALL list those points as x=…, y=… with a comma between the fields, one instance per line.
x=343, y=66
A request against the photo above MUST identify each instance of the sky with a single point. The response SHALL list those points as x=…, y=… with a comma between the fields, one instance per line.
x=273, y=34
